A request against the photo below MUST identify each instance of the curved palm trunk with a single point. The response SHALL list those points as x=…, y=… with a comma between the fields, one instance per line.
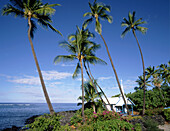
x=143, y=111
x=95, y=86
x=39, y=71
x=82, y=90
x=117, y=79
x=100, y=88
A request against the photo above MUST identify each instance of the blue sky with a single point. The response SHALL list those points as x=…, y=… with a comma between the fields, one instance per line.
x=19, y=80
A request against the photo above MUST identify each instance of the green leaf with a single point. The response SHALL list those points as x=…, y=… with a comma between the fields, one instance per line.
x=125, y=31
x=98, y=27
x=77, y=71
x=141, y=29
x=64, y=58
x=87, y=14
x=87, y=22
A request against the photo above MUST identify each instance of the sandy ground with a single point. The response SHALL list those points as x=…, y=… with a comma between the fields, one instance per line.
x=165, y=127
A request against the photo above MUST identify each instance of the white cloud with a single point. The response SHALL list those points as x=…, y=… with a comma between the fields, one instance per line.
x=48, y=76
x=30, y=80
x=129, y=83
x=105, y=78
x=67, y=65
x=54, y=75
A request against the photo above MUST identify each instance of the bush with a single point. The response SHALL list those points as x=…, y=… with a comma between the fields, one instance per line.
x=167, y=114
x=150, y=125
x=107, y=125
x=151, y=112
x=47, y=123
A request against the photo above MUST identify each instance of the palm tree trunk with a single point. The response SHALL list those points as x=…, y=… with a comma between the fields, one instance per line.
x=82, y=90
x=143, y=111
x=39, y=71
x=100, y=88
x=117, y=79
x=93, y=105
x=162, y=95
x=95, y=86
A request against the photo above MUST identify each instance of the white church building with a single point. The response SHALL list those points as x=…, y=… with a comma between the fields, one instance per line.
x=118, y=104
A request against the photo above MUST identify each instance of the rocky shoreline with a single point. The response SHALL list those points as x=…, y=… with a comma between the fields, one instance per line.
x=65, y=120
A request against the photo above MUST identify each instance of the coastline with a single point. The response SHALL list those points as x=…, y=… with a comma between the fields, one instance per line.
x=65, y=120
x=163, y=125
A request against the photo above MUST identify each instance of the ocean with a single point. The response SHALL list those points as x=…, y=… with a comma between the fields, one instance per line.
x=16, y=113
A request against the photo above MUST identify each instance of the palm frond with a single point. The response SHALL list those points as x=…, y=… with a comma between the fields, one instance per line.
x=125, y=31
x=9, y=9
x=126, y=21
x=54, y=29
x=141, y=29
x=107, y=17
x=98, y=27
x=91, y=8
x=139, y=23
x=124, y=24
x=68, y=47
x=46, y=9
x=87, y=14
x=93, y=60
x=33, y=28
x=130, y=18
x=133, y=17
x=18, y=4
x=64, y=58
x=93, y=48
x=77, y=71
x=87, y=22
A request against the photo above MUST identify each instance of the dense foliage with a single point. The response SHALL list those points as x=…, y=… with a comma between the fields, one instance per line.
x=103, y=120
x=47, y=123
x=167, y=114
x=153, y=98
x=159, y=96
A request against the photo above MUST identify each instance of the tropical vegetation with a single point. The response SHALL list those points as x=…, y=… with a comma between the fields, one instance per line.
x=151, y=95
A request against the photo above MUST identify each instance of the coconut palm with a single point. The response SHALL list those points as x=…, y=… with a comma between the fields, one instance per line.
x=33, y=10
x=133, y=24
x=98, y=12
x=156, y=78
x=141, y=83
x=90, y=95
x=78, y=43
x=165, y=72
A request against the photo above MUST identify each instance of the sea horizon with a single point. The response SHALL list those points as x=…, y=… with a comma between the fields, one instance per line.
x=15, y=114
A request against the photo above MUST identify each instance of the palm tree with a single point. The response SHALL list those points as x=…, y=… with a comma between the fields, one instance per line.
x=90, y=95
x=156, y=78
x=134, y=25
x=98, y=11
x=33, y=10
x=78, y=43
x=141, y=83
x=165, y=72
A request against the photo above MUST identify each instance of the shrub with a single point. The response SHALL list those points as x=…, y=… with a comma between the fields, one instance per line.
x=167, y=114
x=112, y=125
x=150, y=125
x=151, y=112
x=105, y=115
x=46, y=123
